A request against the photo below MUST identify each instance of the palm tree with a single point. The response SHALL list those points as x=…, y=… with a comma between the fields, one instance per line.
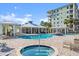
x=50, y=12
x=70, y=23
x=49, y=23
x=66, y=22
x=42, y=23
x=46, y=24
x=49, y=26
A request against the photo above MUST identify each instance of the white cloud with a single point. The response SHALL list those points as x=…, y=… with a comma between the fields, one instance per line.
x=12, y=14
x=6, y=17
x=12, y=18
x=15, y=7
x=44, y=19
x=27, y=19
x=28, y=15
x=23, y=20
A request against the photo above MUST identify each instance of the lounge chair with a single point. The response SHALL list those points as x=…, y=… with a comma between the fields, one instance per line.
x=76, y=41
x=73, y=46
x=6, y=54
x=67, y=45
x=5, y=50
x=4, y=37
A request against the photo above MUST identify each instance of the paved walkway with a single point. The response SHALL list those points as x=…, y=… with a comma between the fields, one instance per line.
x=57, y=42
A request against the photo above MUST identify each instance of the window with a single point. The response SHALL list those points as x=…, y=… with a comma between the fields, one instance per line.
x=57, y=10
x=54, y=11
x=67, y=12
x=57, y=18
x=67, y=16
x=67, y=7
x=71, y=16
x=71, y=6
x=54, y=14
x=71, y=11
x=54, y=22
x=61, y=8
x=58, y=25
x=57, y=14
x=57, y=22
x=54, y=18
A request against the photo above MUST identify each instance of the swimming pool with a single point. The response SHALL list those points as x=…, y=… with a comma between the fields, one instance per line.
x=39, y=36
x=37, y=50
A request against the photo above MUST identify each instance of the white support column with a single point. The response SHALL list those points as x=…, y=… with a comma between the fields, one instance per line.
x=14, y=29
x=35, y=30
x=24, y=30
x=38, y=30
x=21, y=29
x=65, y=31
x=47, y=31
x=56, y=30
x=31, y=30
x=50, y=30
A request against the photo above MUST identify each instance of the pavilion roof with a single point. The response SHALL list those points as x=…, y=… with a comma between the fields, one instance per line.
x=32, y=25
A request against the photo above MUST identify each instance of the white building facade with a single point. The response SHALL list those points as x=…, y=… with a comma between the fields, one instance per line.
x=58, y=15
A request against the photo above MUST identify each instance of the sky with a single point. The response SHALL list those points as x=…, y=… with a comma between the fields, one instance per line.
x=24, y=12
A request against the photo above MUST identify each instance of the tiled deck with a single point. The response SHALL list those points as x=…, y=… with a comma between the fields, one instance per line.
x=57, y=42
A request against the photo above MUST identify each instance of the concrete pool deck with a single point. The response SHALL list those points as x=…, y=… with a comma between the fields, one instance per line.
x=56, y=42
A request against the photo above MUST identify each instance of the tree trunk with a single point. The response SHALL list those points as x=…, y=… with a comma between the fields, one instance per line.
x=73, y=28
x=67, y=29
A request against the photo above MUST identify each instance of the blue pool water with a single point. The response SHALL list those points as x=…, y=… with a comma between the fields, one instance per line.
x=37, y=50
x=39, y=36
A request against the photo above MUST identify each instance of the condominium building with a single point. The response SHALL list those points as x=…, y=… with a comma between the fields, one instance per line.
x=58, y=15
